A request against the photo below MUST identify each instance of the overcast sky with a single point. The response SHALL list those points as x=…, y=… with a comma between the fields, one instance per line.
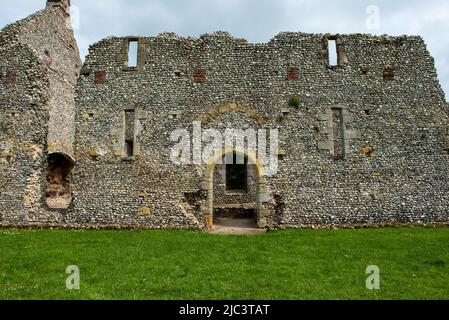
x=255, y=20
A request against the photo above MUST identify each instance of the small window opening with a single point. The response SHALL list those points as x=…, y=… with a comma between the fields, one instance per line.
x=237, y=175
x=59, y=182
x=129, y=132
x=133, y=49
x=332, y=53
x=338, y=132
x=90, y=114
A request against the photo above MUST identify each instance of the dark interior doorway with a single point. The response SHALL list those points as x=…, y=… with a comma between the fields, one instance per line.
x=235, y=197
x=237, y=175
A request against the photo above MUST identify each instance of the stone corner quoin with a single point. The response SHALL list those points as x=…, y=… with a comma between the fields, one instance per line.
x=362, y=131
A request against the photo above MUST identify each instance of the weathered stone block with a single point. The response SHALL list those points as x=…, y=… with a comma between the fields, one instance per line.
x=145, y=211
x=325, y=145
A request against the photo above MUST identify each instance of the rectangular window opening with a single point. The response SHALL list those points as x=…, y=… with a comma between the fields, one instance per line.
x=236, y=176
x=129, y=148
x=332, y=53
x=129, y=132
x=133, y=49
x=338, y=132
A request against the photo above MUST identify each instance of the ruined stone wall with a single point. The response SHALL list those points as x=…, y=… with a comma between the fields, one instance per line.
x=362, y=141
x=388, y=163
x=39, y=67
x=23, y=122
x=49, y=34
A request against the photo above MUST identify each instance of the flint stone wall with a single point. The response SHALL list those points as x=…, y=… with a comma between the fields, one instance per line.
x=39, y=66
x=394, y=170
x=363, y=142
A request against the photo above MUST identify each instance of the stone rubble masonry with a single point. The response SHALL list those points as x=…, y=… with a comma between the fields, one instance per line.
x=361, y=143
x=39, y=68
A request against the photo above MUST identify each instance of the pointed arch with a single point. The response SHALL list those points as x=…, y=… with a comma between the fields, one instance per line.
x=216, y=112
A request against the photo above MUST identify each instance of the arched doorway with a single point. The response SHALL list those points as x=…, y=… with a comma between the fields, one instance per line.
x=243, y=186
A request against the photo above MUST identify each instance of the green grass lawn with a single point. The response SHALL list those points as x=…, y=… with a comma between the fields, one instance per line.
x=292, y=264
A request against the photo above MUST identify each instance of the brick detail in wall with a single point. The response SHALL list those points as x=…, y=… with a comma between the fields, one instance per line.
x=293, y=74
x=199, y=76
x=11, y=77
x=100, y=77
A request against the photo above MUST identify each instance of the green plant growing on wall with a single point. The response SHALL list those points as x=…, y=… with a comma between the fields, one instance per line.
x=294, y=102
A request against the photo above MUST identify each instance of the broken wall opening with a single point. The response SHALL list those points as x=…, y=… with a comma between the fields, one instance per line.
x=58, y=192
